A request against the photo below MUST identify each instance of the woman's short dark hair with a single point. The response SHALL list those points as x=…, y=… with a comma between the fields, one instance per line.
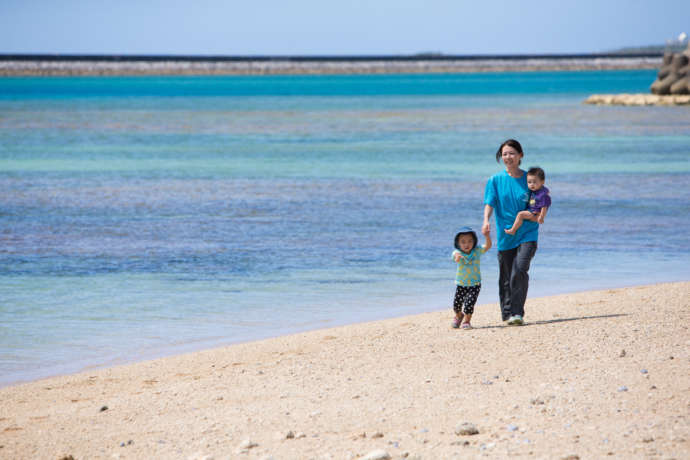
x=537, y=171
x=511, y=143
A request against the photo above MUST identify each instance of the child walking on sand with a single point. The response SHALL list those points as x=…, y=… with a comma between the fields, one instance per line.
x=539, y=200
x=468, y=279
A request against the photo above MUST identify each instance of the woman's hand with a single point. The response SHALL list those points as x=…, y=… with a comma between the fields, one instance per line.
x=486, y=228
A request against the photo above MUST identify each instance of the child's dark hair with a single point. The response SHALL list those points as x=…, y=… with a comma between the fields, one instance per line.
x=465, y=231
x=537, y=171
x=511, y=143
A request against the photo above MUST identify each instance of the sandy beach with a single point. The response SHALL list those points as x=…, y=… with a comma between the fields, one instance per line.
x=591, y=375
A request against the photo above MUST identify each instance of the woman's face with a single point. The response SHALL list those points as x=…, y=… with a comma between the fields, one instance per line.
x=511, y=157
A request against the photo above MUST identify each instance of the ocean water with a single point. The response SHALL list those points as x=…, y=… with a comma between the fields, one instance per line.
x=141, y=217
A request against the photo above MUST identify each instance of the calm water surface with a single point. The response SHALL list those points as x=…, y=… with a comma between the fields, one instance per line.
x=142, y=217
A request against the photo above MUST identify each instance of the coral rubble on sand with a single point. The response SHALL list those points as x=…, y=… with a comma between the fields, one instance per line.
x=637, y=99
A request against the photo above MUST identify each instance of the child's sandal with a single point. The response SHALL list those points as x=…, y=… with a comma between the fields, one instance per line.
x=466, y=326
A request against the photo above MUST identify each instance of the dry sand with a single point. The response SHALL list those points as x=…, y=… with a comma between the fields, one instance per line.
x=591, y=375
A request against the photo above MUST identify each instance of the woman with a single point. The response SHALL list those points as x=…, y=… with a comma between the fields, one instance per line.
x=507, y=194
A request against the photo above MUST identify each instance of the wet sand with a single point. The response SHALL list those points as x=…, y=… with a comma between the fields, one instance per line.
x=591, y=375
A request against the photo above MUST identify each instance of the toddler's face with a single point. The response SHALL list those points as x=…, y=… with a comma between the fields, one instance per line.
x=466, y=242
x=534, y=183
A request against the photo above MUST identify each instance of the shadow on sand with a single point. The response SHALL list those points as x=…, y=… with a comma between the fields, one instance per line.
x=555, y=320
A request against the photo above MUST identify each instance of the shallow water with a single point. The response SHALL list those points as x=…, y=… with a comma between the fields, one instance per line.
x=147, y=216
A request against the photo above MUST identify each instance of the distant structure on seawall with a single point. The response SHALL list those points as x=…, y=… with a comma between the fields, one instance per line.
x=674, y=75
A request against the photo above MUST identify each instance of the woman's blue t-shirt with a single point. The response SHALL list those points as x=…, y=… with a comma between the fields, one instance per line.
x=508, y=196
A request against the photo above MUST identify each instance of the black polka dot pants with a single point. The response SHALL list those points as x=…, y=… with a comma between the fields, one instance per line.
x=465, y=298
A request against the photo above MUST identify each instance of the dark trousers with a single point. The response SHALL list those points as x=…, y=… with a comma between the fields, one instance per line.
x=513, y=279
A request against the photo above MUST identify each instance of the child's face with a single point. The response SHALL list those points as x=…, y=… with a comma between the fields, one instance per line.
x=466, y=242
x=534, y=183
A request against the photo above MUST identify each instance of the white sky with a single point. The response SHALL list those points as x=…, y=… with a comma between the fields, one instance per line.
x=325, y=27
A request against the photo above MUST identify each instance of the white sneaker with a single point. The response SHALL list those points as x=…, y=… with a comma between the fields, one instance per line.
x=516, y=320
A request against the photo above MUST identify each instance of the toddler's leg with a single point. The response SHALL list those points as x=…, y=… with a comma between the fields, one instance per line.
x=470, y=300
x=521, y=216
x=457, y=307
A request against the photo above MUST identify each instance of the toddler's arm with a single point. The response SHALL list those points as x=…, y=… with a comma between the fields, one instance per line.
x=542, y=214
x=459, y=257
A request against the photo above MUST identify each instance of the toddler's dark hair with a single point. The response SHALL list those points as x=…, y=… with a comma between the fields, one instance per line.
x=536, y=171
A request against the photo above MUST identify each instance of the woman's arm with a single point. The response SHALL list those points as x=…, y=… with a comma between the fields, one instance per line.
x=486, y=227
x=487, y=241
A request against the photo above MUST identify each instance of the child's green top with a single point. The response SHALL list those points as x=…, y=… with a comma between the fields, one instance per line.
x=468, y=273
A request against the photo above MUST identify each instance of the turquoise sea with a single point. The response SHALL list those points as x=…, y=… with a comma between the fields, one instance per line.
x=142, y=217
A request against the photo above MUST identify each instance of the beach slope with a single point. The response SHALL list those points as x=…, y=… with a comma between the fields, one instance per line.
x=591, y=375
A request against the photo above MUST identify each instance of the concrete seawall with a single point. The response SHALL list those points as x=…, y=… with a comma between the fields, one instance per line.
x=64, y=66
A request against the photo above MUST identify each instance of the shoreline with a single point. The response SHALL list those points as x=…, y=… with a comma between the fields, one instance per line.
x=184, y=348
x=584, y=377
x=161, y=66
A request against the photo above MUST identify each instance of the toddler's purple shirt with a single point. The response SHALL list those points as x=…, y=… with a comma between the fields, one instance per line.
x=539, y=199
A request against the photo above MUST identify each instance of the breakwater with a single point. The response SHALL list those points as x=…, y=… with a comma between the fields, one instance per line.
x=674, y=75
x=66, y=65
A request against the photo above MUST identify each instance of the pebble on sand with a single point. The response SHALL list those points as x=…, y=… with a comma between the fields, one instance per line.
x=200, y=456
x=280, y=435
x=466, y=429
x=379, y=454
x=245, y=446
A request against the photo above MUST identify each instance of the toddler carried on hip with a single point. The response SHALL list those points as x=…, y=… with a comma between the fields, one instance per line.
x=539, y=200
